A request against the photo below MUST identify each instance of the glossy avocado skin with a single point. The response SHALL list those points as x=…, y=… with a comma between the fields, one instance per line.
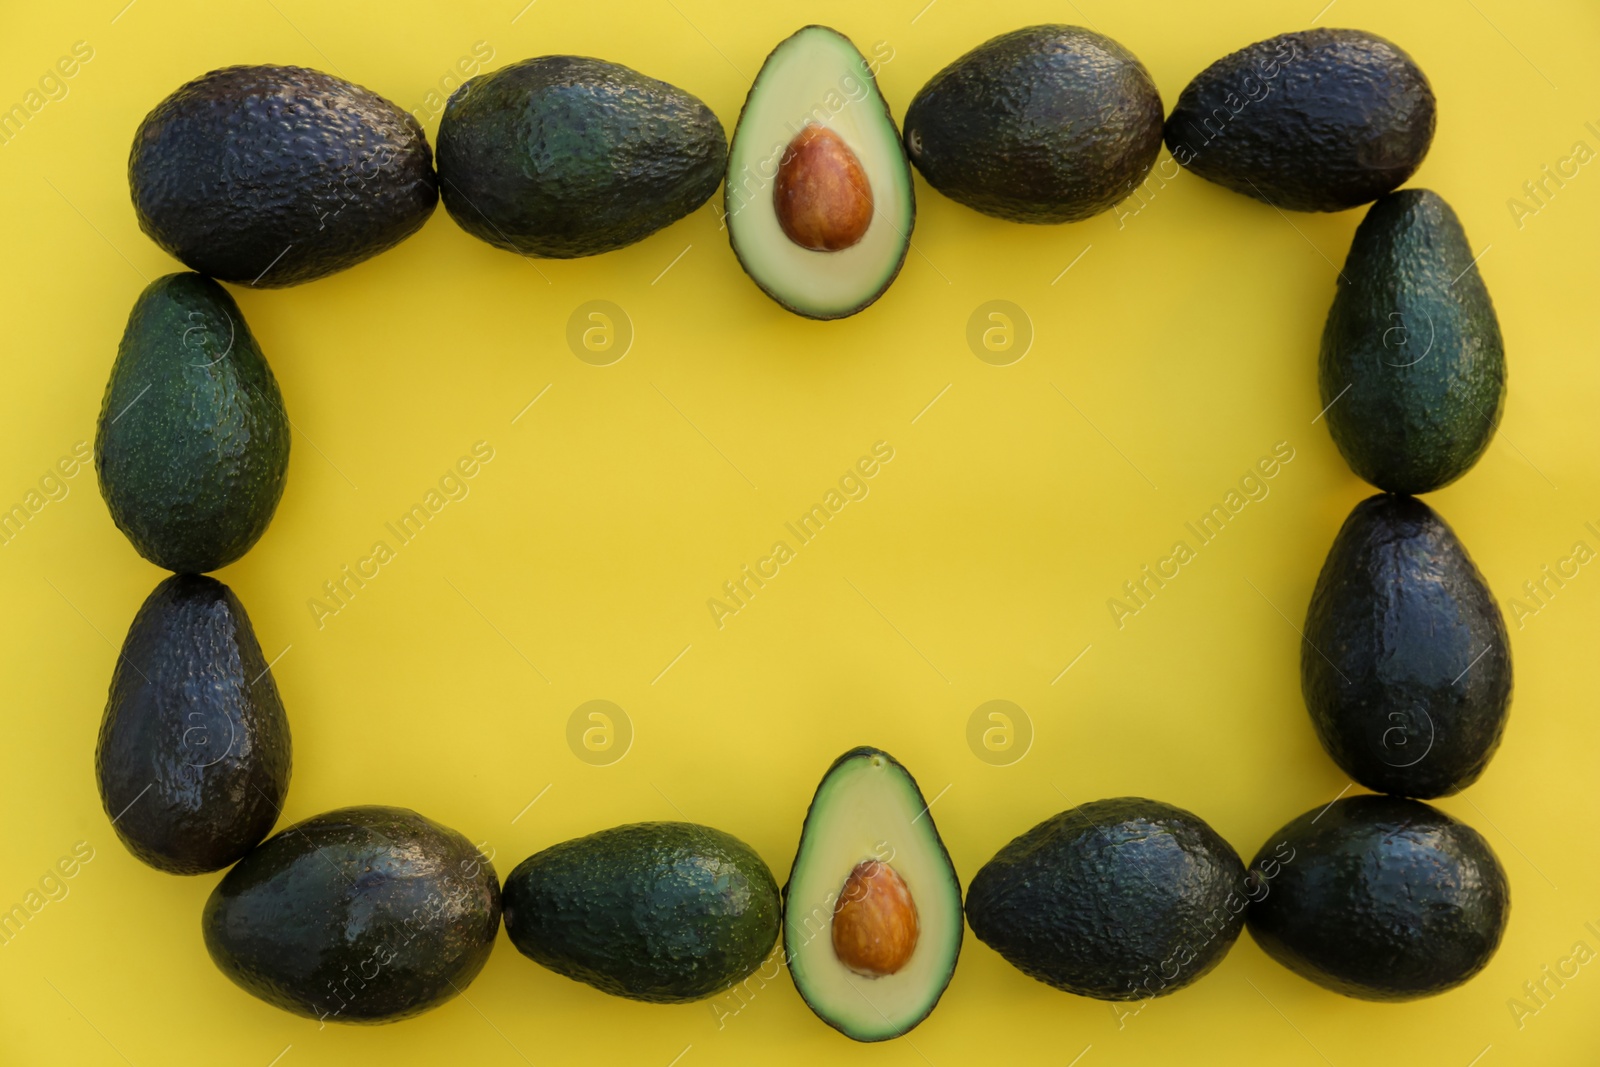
x=564, y=156
x=271, y=176
x=192, y=446
x=365, y=914
x=1412, y=369
x=1382, y=898
x=666, y=912
x=1319, y=120
x=1119, y=899
x=194, y=753
x=1045, y=124
x=1405, y=664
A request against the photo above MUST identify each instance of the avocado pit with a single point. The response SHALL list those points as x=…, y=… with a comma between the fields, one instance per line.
x=821, y=196
x=875, y=924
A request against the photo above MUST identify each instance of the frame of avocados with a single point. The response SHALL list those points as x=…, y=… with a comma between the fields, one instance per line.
x=358, y=887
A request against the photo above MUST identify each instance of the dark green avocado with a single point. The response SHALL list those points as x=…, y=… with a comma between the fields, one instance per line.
x=1405, y=665
x=360, y=915
x=565, y=156
x=1319, y=120
x=192, y=446
x=193, y=759
x=1120, y=899
x=272, y=176
x=1412, y=370
x=1380, y=898
x=1044, y=124
x=666, y=912
x=869, y=869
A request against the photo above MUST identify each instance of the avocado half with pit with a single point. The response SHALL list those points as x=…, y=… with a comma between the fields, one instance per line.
x=872, y=912
x=818, y=199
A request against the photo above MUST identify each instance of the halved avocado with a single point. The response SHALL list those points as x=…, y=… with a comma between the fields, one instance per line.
x=872, y=913
x=818, y=199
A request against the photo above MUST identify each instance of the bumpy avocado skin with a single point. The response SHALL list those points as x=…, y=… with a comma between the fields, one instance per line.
x=1381, y=898
x=565, y=156
x=194, y=754
x=1119, y=899
x=365, y=914
x=192, y=445
x=1045, y=124
x=1319, y=120
x=666, y=912
x=1412, y=369
x=272, y=176
x=1405, y=664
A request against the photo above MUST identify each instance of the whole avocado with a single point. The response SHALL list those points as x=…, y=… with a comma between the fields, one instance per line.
x=1319, y=120
x=271, y=176
x=667, y=912
x=1045, y=124
x=565, y=156
x=192, y=445
x=1118, y=899
x=1405, y=663
x=1412, y=370
x=1381, y=898
x=360, y=915
x=194, y=755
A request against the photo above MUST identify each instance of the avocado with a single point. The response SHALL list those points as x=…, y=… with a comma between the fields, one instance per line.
x=872, y=911
x=1045, y=124
x=1405, y=664
x=1318, y=120
x=565, y=156
x=364, y=914
x=1412, y=370
x=666, y=912
x=192, y=446
x=1380, y=898
x=194, y=756
x=1121, y=899
x=272, y=176
x=818, y=199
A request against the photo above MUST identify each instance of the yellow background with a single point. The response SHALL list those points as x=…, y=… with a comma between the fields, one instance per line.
x=1179, y=349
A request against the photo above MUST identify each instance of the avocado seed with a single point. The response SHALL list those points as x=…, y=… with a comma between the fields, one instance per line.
x=822, y=197
x=874, y=921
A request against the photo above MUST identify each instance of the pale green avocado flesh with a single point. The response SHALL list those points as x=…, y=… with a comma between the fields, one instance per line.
x=869, y=807
x=817, y=77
